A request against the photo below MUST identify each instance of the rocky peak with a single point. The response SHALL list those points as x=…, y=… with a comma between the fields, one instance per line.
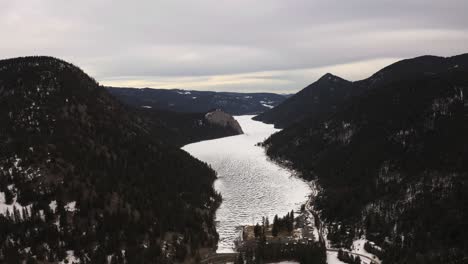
x=328, y=77
x=223, y=119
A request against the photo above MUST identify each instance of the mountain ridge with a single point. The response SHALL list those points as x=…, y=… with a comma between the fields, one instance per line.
x=197, y=101
x=321, y=96
x=76, y=165
x=308, y=101
x=391, y=164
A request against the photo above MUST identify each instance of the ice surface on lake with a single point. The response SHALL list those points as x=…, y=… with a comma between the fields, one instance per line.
x=252, y=186
x=332, y=258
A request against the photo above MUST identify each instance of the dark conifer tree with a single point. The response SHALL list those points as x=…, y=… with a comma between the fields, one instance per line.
x=275, y=228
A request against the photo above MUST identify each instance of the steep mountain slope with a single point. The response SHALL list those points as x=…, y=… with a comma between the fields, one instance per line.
x=183, y=128
x=392, y=162
x=198, y=101
x=324, y=96
x=320, y=97
x=80, y=176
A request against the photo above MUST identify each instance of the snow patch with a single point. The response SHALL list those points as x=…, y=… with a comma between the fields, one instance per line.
x=53, y=205
x=267, y=104
x=70, y=258
x=358, y=248
x=332, y=258
x=70, y=207
x=18, y=170
x=4, y=208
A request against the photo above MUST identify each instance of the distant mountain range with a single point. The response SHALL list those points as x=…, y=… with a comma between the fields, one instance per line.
x=198, y=101
x=390, y=154
x=83, y=177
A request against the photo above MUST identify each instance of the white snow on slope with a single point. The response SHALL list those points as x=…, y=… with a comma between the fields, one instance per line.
x=332, y=258
x=267, y=104
x=70, y=207
x=358, y=247
x=70, y=258
x=10, y=207
x=53, y=205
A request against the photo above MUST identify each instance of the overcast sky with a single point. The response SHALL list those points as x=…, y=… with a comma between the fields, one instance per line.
x=236, y=45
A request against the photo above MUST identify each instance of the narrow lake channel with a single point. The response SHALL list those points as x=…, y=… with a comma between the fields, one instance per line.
x=252, y=186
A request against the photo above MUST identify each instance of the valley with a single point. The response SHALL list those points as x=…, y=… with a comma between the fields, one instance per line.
x=251, y=185
x=234, y=132
x=354, y=177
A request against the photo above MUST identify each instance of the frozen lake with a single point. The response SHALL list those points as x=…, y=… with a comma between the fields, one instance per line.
x=251, y=185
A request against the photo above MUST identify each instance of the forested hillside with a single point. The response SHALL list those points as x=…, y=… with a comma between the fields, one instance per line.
x=81, y=177
x=392, y=163
x=321, y=97
x=183, y=128
x=330, y=92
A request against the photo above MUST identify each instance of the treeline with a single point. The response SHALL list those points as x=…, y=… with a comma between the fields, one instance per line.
x=274, y=242
x=285, y=223
x=373, y=249
x=280, y=224
x=348, y=258
x=307, y=253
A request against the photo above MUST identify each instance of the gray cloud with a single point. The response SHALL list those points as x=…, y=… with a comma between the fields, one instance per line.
x=223, y=45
